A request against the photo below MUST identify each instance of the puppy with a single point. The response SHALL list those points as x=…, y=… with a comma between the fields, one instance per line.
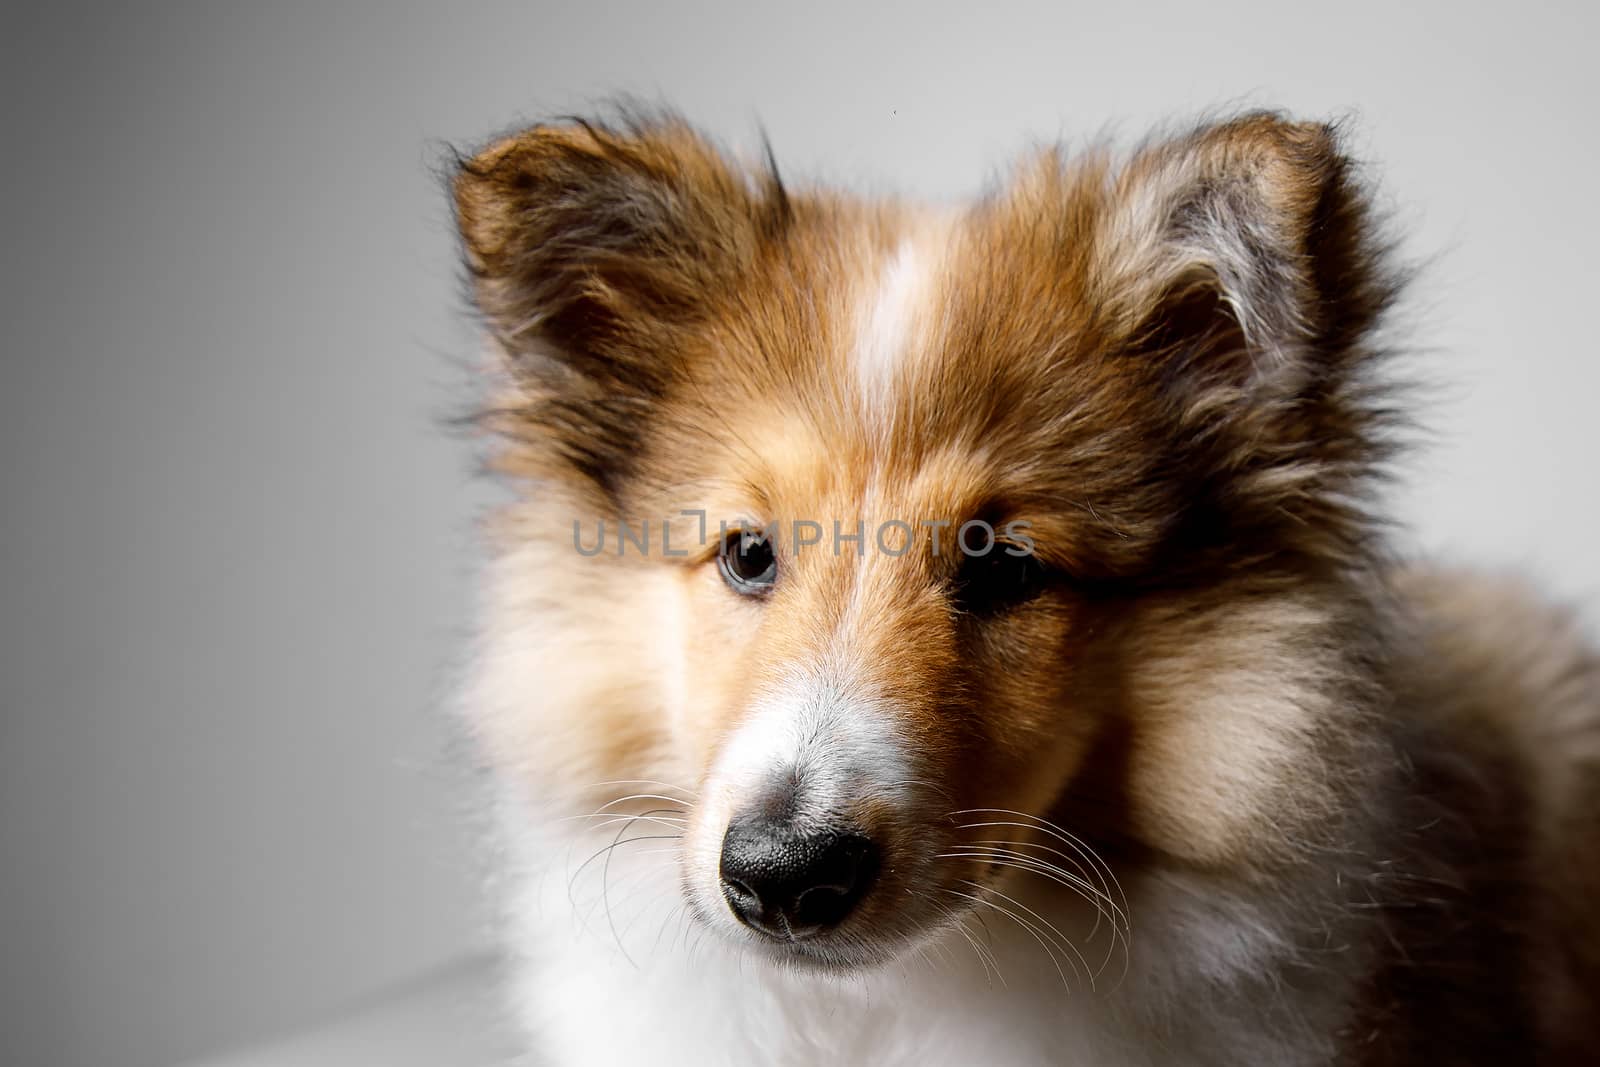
x=964, y=636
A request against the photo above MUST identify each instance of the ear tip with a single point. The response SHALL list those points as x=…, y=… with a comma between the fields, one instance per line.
x=487, y=189
x=475, y=178
x=1279, y=131
x=571, y=150
x=507, y=157
x=490, y=185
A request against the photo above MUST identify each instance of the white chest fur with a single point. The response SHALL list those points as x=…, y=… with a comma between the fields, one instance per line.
x=612, y=970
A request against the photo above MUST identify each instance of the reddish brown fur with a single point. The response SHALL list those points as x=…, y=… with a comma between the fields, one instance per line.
x=1166, y=365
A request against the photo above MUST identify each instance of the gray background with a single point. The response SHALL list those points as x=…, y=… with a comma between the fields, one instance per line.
x=237, y=543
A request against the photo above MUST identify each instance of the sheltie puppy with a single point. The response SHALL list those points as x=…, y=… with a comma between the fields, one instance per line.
x=964, y=636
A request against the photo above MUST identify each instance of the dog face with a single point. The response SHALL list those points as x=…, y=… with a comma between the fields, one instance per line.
x=891, y=535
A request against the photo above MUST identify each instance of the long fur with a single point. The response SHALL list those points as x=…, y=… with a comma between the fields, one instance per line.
x=1229, y=784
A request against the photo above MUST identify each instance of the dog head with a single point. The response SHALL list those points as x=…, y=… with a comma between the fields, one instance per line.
x=902, y=541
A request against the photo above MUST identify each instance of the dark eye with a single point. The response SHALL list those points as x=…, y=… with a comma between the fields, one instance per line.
x=747, y=563
x=1001, y=578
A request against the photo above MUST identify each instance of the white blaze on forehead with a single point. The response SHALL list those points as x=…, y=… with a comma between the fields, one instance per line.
x=893, y=314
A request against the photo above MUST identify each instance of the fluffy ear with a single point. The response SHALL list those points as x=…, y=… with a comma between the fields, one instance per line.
x=593, y=249
x=1239, y=269
x=1243, y=254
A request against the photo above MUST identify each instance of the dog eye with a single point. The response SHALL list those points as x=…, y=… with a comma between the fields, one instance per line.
x=747, y=564
x=998, y=580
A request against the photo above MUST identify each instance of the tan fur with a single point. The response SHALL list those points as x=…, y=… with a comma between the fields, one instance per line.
x=1165, y=364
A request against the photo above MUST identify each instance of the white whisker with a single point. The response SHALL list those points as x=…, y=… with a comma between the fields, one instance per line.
x=1062, y=834
x=1060, y=937
x=1020, y=922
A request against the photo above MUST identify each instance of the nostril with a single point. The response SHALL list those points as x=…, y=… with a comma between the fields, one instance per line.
x=741, y=898
x=837, y=881
x=790, y=883
x=826, y=905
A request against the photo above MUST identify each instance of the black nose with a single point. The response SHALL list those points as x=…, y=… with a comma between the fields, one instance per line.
x=791, y=883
